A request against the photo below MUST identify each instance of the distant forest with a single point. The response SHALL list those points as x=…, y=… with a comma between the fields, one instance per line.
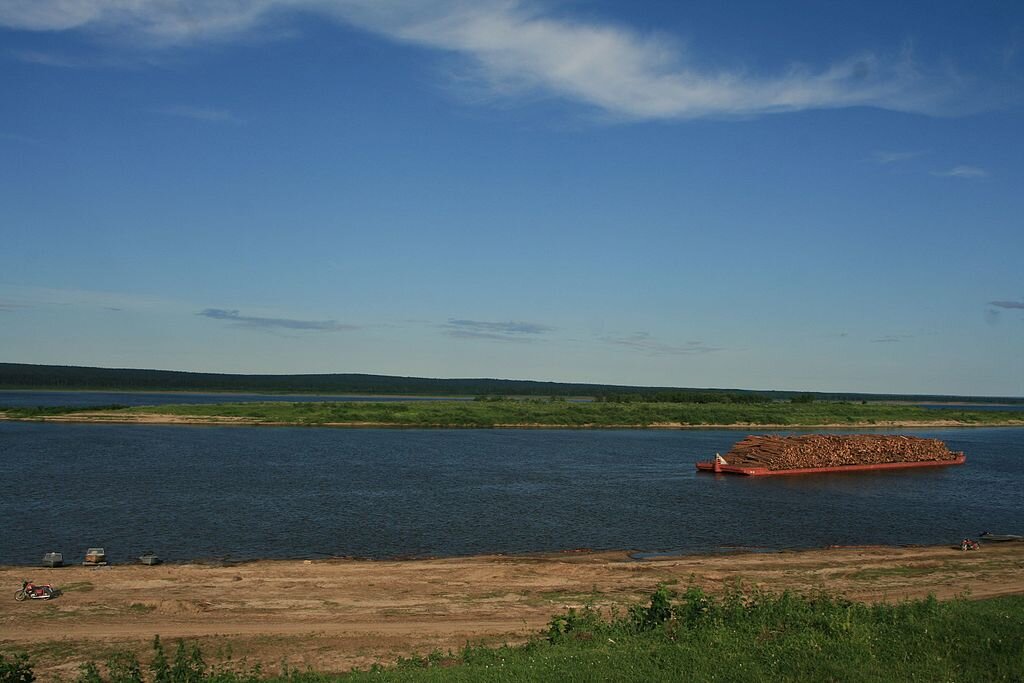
x=60, y=377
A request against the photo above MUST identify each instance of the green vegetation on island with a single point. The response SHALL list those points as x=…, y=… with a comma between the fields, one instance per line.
x=543, y=413
x=692, y=635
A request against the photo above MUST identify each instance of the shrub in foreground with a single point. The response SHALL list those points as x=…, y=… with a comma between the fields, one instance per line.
x=16, y=669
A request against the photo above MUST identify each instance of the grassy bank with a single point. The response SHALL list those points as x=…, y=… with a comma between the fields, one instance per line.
x=754, y=637
x=553, y=413
x=690, y=636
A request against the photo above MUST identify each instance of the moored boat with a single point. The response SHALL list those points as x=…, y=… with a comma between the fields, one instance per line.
x=149, y=558
x=53, y=560
x=95, y=557
x=989, y=537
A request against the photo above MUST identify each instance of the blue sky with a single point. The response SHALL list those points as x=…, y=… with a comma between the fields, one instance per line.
x=793, y=195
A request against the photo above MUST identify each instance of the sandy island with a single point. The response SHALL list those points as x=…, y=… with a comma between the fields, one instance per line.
x=333, y=615
x=109, y=417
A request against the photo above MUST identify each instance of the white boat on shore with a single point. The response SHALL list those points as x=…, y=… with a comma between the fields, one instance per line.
x=989, y=537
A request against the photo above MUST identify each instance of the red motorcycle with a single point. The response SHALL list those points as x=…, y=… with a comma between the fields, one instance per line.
x=31, y=590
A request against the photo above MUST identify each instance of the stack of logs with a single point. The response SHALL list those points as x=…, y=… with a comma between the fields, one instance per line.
x=828, y=450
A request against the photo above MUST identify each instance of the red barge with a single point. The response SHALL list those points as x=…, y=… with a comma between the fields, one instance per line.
x=761, y=456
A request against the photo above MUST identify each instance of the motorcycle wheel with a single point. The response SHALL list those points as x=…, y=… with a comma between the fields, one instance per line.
x=20, y=595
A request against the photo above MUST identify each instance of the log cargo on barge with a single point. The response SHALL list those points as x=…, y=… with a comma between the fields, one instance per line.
x=820, y=453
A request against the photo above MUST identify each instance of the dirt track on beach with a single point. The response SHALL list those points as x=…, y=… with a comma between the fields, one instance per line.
x=333, y=615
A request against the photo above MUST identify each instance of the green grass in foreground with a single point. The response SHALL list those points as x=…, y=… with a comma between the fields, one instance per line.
x=693, y=636
x=554, y=413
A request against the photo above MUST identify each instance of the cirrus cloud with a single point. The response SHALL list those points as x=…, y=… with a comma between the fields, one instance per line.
x=647, y=344
x=257, y=322
x=513, y=47
x=495, y=331
x=886, y=158
x=207, y=114
x=962, y=171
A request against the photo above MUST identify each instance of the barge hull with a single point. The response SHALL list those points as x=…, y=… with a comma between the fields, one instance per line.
x=712, y=466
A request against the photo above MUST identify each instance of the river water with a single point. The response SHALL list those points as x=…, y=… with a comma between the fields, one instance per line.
x=209, y=492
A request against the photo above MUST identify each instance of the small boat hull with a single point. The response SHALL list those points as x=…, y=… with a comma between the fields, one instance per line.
x=1000, y=538
x=716, y=467
x=95, y=557
x=53, y=560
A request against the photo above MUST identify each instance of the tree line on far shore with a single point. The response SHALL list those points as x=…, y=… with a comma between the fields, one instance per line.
x=23, y=376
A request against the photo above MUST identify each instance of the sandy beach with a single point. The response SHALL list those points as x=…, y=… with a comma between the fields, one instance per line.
x=109, y=417
x=333, y=615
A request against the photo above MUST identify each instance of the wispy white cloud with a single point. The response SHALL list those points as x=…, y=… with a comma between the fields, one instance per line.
x=32, y=297
x=516, y=47
x=888, y=157
x=645, y=343
x=995, y=310
x=108, y=55
x=495, y=331
x=48, y=59
x=207, y=114
x=157, y=20
x=632, y=75
x=962, y=171
x=18, y=297
x=1007, y=304
x=892, y=338
x=257, y=322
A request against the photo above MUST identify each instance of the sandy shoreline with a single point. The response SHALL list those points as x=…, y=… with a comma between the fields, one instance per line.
x=222, y=420
x=333, y=614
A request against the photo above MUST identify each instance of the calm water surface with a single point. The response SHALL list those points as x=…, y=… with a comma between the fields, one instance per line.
x=192, y=492
x=973, y=406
